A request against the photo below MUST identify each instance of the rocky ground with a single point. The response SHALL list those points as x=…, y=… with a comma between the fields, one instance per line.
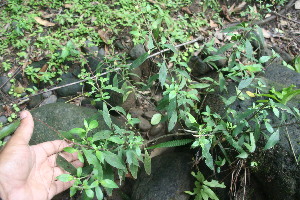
x=63, y=106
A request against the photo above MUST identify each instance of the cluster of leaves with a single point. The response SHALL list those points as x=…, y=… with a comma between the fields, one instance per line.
x=103, y=152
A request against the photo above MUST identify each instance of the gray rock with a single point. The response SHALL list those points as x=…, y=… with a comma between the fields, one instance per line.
x=47, y=94
x=136, y=112
x=137, y=51
x=62, y=117
x=69, y=90
x=170, y=177
x=35, y=101
x=136, y=75
x=3, y=119
x=149, y=114
x=284, y=55
x=6, y=84
x=198, y=67
x=51, y=99
x=157, y=130
x=116, y=99
x=144, y=125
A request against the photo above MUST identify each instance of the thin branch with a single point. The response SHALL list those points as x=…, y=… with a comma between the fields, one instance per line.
x=286, y=17
x=177, y=46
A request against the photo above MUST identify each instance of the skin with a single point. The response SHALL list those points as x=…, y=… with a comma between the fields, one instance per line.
x=29, y=172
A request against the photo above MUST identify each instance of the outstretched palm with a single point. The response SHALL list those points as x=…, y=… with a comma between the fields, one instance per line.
x=29, y=172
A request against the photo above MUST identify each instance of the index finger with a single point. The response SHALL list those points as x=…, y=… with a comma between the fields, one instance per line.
x=53, y=147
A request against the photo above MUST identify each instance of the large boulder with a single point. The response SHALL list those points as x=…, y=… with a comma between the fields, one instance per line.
x=50, y=119
x=170, y=177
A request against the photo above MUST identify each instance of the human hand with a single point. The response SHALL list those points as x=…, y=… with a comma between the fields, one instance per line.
x=29, y=172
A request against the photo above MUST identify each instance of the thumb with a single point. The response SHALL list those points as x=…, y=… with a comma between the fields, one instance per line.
x=24, y=132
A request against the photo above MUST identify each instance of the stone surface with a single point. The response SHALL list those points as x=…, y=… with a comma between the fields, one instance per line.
x=136, y=112
x=50, y=99
x=137, y=51
x=144, y=124
x=62, y=117
x=35, y=101
x=149, y=114
x=198, y=67
x=6, y=84
x=170, y=177
x=69, y=90
x=157, y=130
x=47, y=94
x=3, y=119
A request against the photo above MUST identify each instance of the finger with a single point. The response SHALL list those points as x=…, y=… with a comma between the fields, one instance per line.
x=53, y=147
x=58, y=187
x=58, y=171
x=24, y=132
x=77, y=163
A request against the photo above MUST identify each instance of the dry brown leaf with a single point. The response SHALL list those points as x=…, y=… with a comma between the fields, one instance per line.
x=44, y=68
x=43, y=22
x=239, y=8
x=103, y=35
x=68, y=5
x=187, y=10
x=266, y=34
x=213, y=24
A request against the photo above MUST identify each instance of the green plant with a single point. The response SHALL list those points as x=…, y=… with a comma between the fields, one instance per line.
x=106, y=151
x=203, y=187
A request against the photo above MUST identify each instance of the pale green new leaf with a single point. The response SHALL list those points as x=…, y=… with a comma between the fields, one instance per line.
x=106, y=115
x=108, y=183
x=172, y=121
x=162, y=74
x=273, y=139
x=214, y=183
x=65, y=177
x=147, y=162
x=156, y=118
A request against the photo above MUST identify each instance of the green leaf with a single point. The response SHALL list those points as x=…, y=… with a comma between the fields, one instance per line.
x=210, y=193
x=100, y=156
x=213, y=58
x=172, y=121
x=150, y=44
x=156, y=118
x=172, y=143
x=199, y=85
x=116, y=139
x=162, y=74
x=89, y=193
x=64, y=164
x=264, y=59
x=273, y=139
x=172, y=94
x=65, y=177
x=214, y=183
x=224, y=48
x=249, y=50
x=106, y=115
x=93, y=124
x=245, y=83
x=139, y=61
x=147, y=162
x=269, y=127
x=70, y=150
x=253, y=67
x=243, y=155
x=90, y=157
x=113, y=160
x=5, y=131
x=73, y=191
x=99, y=193
x=297, y=64
x=77, y=131
x=134, y=170
x=80, y=157
x=102, y=135
x=169, y=46
x=108, y=183
x=252, y=145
